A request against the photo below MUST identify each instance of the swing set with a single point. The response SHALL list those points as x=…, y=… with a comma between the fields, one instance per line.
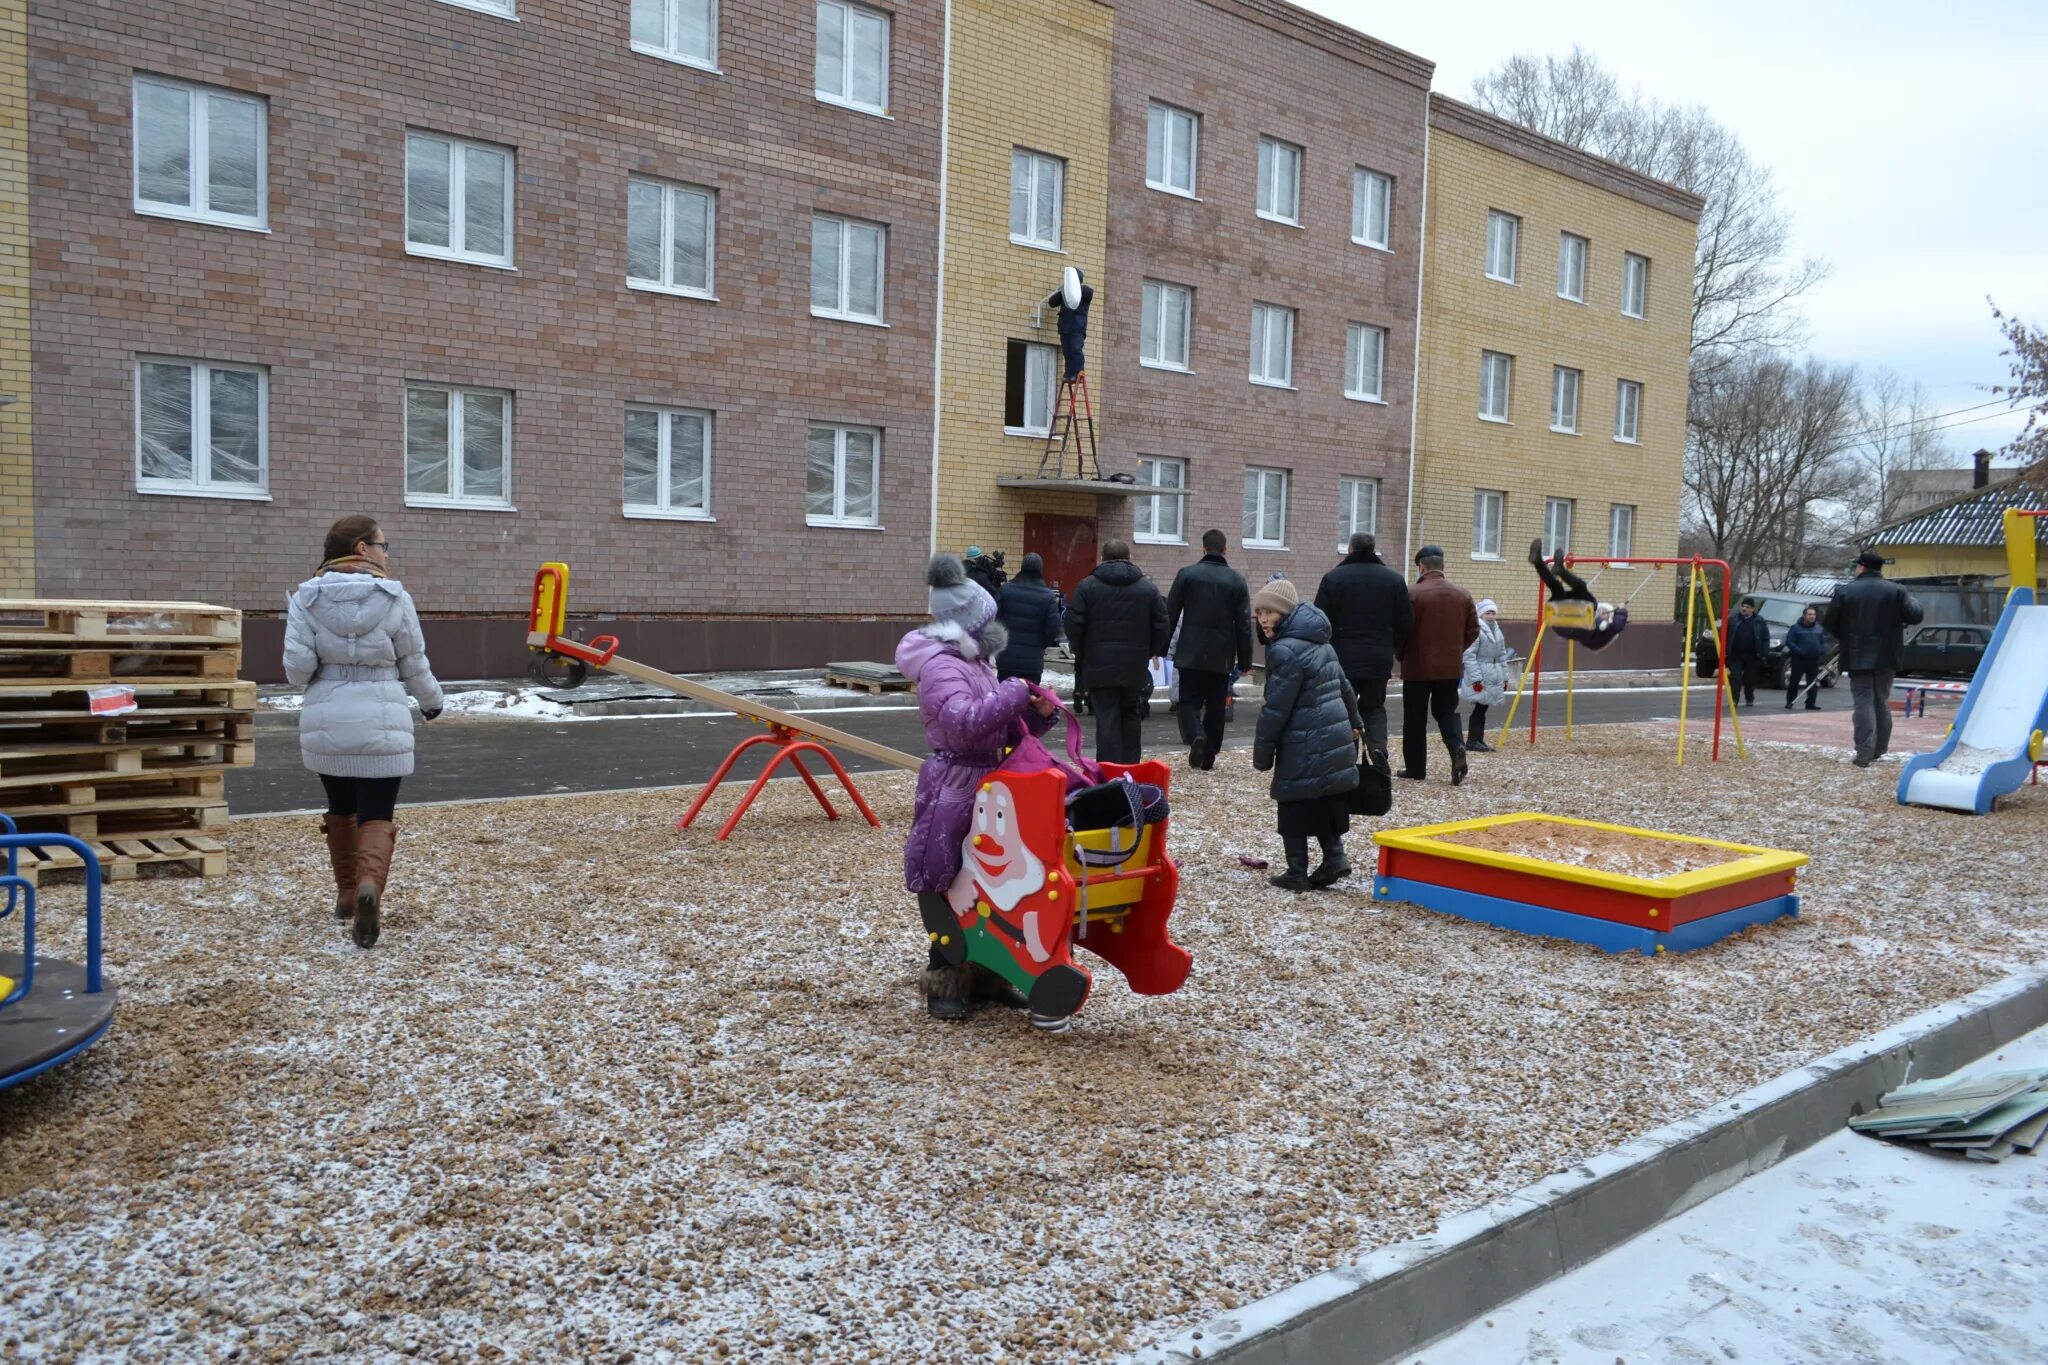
x=1575, y=614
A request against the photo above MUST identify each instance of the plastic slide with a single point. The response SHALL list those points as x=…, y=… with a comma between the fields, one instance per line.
x=1985, y=755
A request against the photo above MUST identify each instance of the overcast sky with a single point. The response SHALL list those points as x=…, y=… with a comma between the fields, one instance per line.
x=1906, y=138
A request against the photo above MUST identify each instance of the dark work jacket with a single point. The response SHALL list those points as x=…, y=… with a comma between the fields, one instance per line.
x=1030, y=612
x=1806, y=643
x=1370, y=614
x=1868, y=618
x=1213, y=608
x=1749, y=639
x=1305, y=729
x=1116, y=626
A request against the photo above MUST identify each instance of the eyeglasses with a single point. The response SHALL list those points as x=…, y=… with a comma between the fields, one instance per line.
x=384, y=545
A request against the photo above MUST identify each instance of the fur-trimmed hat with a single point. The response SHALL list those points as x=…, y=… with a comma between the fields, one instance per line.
x=956, y=599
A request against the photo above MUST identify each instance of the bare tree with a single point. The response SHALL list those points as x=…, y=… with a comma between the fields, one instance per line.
x=2028, y=349
x=1899, y=435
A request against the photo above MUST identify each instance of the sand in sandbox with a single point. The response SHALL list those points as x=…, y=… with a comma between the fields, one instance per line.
x=1597, y=850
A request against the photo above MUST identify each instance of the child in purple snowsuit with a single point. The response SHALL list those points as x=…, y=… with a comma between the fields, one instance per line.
x=969, y=720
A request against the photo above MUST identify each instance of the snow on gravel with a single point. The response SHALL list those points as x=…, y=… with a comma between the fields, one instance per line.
x=606, y=1090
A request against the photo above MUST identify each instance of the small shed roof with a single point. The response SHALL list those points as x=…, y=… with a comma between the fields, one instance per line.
x=1974, y=519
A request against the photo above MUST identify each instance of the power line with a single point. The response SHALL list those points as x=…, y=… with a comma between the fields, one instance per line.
x=1911, y=423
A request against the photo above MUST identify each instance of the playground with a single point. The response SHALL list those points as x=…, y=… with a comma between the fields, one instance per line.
x=615, y=1089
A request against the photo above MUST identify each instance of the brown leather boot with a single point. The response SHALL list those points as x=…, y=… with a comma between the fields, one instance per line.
x=373, y=865
x=341, y=851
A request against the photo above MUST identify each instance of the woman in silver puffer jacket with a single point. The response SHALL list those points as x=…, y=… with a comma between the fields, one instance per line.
x=352, y=640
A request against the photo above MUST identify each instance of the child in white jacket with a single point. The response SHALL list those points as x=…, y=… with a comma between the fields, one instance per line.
x=1486, y=674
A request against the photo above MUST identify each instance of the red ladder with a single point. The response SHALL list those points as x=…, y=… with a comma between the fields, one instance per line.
x=1073, y=425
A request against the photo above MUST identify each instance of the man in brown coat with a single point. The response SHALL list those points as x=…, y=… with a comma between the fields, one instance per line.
x=1432, y=662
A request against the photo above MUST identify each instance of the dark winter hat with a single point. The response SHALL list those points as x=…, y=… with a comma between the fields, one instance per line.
x=955, y=598
x=1429, y=551
x=1871, y=560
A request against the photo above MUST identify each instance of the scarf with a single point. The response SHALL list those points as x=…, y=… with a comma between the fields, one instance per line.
x=351, y=564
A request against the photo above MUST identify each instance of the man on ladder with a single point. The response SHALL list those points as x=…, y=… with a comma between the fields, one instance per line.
x=1072, y=300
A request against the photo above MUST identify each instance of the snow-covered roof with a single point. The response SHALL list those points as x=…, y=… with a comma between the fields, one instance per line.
x=1974, y=520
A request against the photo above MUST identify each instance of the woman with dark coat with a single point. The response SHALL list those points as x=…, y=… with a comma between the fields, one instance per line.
x=1030, y=612
x=1307, y=736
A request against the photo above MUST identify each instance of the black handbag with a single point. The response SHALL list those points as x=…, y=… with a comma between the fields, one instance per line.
x=1117, y=802
x=1374, y=794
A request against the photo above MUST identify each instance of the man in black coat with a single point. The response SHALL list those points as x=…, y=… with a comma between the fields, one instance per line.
x=1030, y=611
x=1116, y=626
x=1212, y=607
x=1749, y=641
x=1869, y=616
x=1370, y=614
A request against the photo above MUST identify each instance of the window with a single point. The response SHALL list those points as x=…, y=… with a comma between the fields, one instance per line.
x=1272, y=345
x=1635, y=284
x=503, y=7
x=1564, y=400
x=1028, y=394
x=458, y=447
x=1171, y=136
x=1621, y=530
x=1265, y=508
x=1157, y=520
x=1372, y=209
x=1571, y=267
x=458, y=199
x=680, y=30
x=1496, y=378
x=1365, y=350
x=846, y=268
x=1358, y=509
x=1163, y=332
x=1036, y=182
x=853, y=57
x=842, y=476
x=1628, y=410
x=668, y=463
x=1488, y=507
x=1557, y=525
x=1503, y=239
x=669, y=236
x=201, y=428
x=1279, y=181
x=199, y=153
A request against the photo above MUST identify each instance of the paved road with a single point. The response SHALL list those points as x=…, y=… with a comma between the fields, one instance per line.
x=467, y=759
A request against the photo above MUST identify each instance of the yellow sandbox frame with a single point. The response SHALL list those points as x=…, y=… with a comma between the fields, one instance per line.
x=1756, y=862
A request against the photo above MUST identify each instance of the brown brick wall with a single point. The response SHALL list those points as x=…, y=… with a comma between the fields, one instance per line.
x=330, y=301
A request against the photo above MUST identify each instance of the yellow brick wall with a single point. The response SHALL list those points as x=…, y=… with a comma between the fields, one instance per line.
x=1928, y=561
x=1032, y=74
x=1465, y=313
x=17, y=490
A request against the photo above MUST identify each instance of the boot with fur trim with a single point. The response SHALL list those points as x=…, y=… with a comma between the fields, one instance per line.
x=341, y=851
x=374, y=841
x=949, y=993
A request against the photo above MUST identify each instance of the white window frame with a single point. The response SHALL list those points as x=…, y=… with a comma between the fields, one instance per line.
x=1628, y=411
x=1037, y=165
x=1156, y=295
x=1349, y=523
x=1555, y=509
x=1167, y=115
x=1258, y=481
x=455, y=499
x=1146, y=509
x=1503, y=240
x=838, y=519
x=1635, y=280
x=1492, y=388
x=1482, y=499
x=1359, y=386
x=1621, y=530
x=847, y=13
x=1269, y=206
x=668, y=49
x=503, y=9
x=670, y=192
x=1566, y=384
x=664, y=508
x=458, y=201
x=1264, y=316
x=199, y=404
x=1041, y=361
x=1571, y=266
x=198, y=155
x=842, y=313
x=1372, y=189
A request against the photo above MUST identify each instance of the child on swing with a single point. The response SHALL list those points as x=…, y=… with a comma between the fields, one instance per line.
x=1566, y=586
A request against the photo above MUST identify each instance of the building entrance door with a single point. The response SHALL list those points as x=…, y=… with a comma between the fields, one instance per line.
x=1066, y=544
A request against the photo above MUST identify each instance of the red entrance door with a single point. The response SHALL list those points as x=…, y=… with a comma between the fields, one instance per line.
x=1066, y=544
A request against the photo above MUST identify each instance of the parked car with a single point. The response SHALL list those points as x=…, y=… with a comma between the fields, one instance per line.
x=1945, y=651
x=1781, y=611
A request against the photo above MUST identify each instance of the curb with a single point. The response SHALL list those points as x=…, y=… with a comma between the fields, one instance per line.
x=1400, y=1298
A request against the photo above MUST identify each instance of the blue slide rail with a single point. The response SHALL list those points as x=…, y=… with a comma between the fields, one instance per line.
x=1999, y=778
x=20, y=892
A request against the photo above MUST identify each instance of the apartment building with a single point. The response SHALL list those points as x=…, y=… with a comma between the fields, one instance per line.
x=17, y=466
x=1556, y=305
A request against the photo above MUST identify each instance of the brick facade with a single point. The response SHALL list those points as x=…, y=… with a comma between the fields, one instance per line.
x=17, y=468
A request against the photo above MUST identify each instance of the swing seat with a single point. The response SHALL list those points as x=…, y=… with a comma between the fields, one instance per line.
x=1572, y=614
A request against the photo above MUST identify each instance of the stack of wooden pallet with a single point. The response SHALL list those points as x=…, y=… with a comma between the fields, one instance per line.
x=141, y=787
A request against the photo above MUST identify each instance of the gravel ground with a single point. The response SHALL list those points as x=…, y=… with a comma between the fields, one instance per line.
x=606, y=1091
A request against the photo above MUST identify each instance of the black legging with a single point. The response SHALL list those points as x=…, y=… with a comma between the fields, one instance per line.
x=1564, y=585
x=366, y=798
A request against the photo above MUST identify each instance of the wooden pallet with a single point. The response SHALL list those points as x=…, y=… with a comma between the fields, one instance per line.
x=28, y=665
x=126, y=820
x=875, y=679
x=121, y=859
x=101, y=731
x=135, y=791
x=75, y=764
x=17, y=699
x=38, y=618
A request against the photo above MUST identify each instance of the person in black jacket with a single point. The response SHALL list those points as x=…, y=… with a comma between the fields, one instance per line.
x=1212, y=609
x=1370, y=617
x=1030, y=611
x=1307, y=736
x=1868, y=618
x=1116, y=626
x=1749, y=640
